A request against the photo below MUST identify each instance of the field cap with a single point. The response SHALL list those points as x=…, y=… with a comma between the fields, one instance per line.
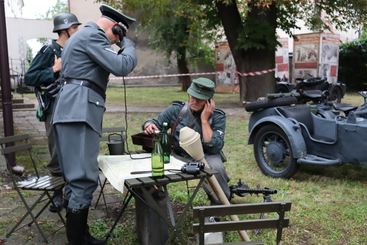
x=201, y=88
x=116, y=16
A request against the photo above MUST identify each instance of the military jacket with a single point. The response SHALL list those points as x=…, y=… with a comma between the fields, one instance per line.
x=40, y=72
x=172, y=116
x=88, y=56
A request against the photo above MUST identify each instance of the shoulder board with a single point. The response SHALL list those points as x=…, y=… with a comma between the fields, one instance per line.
x=177, y=102
x=219, y=111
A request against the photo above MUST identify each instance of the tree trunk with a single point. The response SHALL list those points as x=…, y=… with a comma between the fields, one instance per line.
x=251, y=59
x=182, y=68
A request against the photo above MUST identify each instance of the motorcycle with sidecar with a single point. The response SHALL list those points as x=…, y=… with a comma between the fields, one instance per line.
x=286, y=134
x=333, y=91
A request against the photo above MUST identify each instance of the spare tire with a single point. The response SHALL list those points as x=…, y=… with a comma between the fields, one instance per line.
x=267, y=103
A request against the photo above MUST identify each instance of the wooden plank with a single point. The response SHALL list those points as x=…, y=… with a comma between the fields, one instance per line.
x=12, y=139
x=252, y=208
x=11, y=149
x=133, y=182
x=240, y=225
x=239, y=243
x=147, y=181
x=174, y=177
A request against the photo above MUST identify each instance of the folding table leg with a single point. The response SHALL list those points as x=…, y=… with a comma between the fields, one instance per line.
x=188, y=204
x=101, y=193
x=169, y=207
x=125, y=203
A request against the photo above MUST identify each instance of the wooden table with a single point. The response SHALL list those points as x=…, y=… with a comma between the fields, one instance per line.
x=154, y=214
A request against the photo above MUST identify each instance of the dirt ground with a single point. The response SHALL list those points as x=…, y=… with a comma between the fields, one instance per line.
x=11, y=210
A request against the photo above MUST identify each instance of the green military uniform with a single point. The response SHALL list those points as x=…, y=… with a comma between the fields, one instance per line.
x=40, y=74
x=179, y=115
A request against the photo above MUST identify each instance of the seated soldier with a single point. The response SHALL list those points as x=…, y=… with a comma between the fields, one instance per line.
x=200, y=114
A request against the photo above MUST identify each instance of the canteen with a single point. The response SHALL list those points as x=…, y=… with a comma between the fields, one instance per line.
x=116, y=144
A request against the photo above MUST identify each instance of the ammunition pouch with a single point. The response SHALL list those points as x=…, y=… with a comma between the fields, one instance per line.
x=53, y=89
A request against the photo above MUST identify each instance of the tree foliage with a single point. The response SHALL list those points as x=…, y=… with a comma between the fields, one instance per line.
x=188, y=26
x=59, y=7
x=353, y=64
x=174, y=27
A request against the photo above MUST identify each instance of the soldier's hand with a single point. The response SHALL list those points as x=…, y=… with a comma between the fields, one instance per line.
x=208, y=110
x=57, y=65
x=150, y=128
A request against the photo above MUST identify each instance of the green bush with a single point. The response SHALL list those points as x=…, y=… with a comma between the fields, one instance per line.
x=353, y=64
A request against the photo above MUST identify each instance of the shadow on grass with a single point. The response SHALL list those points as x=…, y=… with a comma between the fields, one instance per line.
x=345, y=171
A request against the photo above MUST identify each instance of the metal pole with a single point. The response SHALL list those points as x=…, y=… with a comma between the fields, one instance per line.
x=5, y=82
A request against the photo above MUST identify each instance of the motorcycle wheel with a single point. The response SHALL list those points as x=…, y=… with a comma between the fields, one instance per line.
x=273, y=152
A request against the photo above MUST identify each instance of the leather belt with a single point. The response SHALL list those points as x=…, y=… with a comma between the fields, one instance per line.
x=87, y=84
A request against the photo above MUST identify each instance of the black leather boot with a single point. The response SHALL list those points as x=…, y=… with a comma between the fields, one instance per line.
x=90, y=240
x=57, y=199
x=76, y=225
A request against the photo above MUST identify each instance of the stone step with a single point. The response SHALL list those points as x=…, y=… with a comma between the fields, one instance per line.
x=21, y=106
x=15, y=101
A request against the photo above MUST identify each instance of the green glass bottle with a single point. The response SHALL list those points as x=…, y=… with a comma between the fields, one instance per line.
x=157, y=157
x=166, y=147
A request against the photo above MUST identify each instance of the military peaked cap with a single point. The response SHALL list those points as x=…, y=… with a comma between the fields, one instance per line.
x=116, y=16
x=202, y=88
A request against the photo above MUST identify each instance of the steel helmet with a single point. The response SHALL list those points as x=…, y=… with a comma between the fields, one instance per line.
x=65, y=21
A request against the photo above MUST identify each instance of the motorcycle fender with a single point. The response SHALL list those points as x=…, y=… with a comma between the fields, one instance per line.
x=290, y=127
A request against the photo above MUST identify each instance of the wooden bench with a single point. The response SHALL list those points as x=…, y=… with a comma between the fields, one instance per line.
x=278, y=223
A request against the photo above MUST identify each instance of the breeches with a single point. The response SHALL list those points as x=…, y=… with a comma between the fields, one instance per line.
x=78, y=148
x=216, y=163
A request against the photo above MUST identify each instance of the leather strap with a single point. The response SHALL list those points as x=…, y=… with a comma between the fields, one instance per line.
x=87, y=84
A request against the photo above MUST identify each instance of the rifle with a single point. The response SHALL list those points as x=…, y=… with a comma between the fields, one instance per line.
x=241, y=189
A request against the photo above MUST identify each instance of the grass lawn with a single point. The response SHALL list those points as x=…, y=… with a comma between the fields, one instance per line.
x=329, y=204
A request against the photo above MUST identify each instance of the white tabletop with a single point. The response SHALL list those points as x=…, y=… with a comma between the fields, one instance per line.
x=118, y=168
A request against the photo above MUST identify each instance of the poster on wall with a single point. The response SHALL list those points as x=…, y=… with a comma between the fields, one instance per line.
x=282, y=60
x=329, y=59
x=316, y=55
x=305, y=55
x=225, y=66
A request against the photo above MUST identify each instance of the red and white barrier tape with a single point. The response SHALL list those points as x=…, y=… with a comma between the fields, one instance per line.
x=255, y=73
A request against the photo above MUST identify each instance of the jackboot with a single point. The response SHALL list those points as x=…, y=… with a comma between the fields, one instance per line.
x=76, y=225
x=57, y=199
x=90, y=240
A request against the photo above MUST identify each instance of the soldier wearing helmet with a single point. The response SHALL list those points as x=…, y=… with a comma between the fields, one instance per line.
x=44, y=72
x=200, y=114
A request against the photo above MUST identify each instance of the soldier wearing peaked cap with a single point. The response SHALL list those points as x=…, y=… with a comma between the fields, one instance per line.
x=200, y=114
x=88, y=60
x=44, y=72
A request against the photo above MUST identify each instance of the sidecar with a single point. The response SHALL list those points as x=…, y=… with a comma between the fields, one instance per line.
x=286, y=135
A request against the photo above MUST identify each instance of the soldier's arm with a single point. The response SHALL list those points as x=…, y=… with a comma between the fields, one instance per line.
x=40, y=71
x=218, y=126
x=101, y=52
x=169, y=115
